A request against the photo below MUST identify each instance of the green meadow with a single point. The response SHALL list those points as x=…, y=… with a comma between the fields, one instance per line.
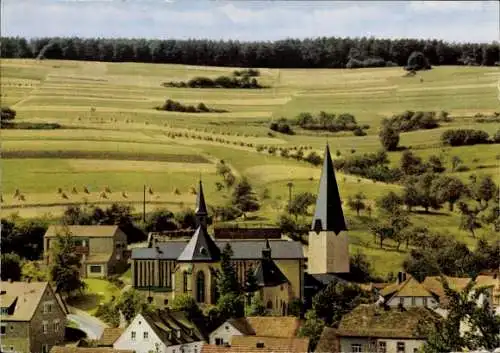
x=113, y=137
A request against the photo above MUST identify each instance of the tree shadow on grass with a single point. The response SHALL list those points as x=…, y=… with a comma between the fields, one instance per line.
x=86, y=302
x=433, y=213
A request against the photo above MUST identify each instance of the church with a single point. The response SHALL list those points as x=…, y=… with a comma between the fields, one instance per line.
x=173, y=267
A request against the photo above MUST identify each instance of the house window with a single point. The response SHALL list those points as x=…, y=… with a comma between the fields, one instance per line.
x=413, y=301
x=47, y=308
x=425, y=301
x=56, y=326
x=132, y=335
x=45, y=326
x=200, y=287
x=400, y=347
x=227, y=327
x=12, y=348
x=4, y=311
x=269, y=304
x=219, y=342
x=356, y=348
x=3, y=329
x=95, y=269
x=45, y=348
x=145, y=335
x=401, y=301
x=185, y=281
x=382, y=347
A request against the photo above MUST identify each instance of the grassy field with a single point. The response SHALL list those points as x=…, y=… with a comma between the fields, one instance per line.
x=113, y=137
x=98, y=292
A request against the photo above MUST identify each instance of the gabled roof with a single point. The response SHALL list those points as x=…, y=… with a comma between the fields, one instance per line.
x=408, y=288
x=275, y=326
x=242, y=249
x=328, y=215
x=61, y=349
x=201, y=247
x=328, y=341
x=110, y=335
x=370, y=320
x=267, y=273
x=242, y=325
x=25, y=297
x=434, y=285
x=98, y=231
x=167, y=324
x=286, y=344
x=201, y=206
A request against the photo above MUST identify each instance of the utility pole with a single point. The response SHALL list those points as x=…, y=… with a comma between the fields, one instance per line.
x=144, y=204
x=290, y=186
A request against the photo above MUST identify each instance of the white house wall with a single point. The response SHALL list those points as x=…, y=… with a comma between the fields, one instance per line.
x=139, y=345
x=226, y=331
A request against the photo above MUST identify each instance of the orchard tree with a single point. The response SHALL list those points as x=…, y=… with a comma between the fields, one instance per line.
x=448, y=189
x=389, y=137
x=300, y=203
x=357, y=203
x=185, y=302
x=160, y=220
x=390, y=202
x=244, y=197
x=469, y=220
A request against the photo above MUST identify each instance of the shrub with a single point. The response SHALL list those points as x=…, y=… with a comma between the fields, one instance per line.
x=389, y=137
x=359, y=132
x=496, y=137
x=464, y=137
x=462, y=168
x=174, y=106
x=411, y=121
x=417, y=61
x=314, y=158
x=7, y=113
x=281, y=126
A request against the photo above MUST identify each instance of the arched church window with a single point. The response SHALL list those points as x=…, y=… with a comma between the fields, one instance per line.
x=200, y=287
x=269, y=304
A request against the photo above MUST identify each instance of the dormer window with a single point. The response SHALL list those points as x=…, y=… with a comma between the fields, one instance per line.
x=178, y=332
x=203, y=251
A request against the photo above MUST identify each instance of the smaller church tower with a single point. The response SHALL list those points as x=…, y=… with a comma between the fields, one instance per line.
x=201, y=208
x=328, y=245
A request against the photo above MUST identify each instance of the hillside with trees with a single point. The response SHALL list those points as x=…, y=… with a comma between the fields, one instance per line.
x=320, y=52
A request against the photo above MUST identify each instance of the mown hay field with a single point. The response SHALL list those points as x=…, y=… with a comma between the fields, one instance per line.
x=113, y=136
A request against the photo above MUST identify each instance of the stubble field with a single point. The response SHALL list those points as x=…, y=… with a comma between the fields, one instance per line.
x=114, y=138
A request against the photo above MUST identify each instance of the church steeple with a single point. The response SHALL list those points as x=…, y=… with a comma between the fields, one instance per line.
x=328, y=215
x=201, y=207
x=266, y=252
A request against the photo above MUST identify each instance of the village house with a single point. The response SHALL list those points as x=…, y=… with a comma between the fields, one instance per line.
x=161, y=331
x=175, y=266
x=408, y=292
x=33, y=317
x=103, y=248
x=62, y=349
x=378, y=328
x=258, y=326
x=254, y=344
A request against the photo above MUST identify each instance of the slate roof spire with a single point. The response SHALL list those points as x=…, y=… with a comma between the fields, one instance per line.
x=328, y=215
x=201, y=247
x=201, y=207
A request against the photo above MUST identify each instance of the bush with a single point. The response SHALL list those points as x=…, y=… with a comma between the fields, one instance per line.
x=359, y=132
x=496, y=137
x=462, y=168
x=281, y=126
x=174, y=106
x=389, y=137
x=411, y=121
x=370, y=62
x=237, y=81
x=7, y=113
x=417, y=61
x=314, y=158
x=464, y=137
x=327, y=122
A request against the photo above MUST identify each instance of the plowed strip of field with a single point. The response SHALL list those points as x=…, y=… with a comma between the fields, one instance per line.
x=69, y=154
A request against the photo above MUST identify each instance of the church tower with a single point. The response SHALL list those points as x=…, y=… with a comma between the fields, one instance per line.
x=328, y=245
x=201, y=208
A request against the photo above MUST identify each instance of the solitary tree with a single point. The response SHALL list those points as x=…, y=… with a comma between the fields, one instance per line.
x=65, y=270
x=389, y=137
x=300, y=203
x=244, y=197
x=11, y=267
x=417, y=61
x=357, y=203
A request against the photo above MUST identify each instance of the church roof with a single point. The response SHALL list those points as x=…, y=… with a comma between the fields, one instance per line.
x=328, y=215
x=201, y=247
x=201, y=206
x=267, y=273
x=242, y=250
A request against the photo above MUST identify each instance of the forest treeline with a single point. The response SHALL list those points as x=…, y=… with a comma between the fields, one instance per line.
x=307, y=53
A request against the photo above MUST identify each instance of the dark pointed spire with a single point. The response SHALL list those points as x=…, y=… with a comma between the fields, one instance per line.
x=328, y=215
x=266, y=252
x=201, y=247
x=201, y=206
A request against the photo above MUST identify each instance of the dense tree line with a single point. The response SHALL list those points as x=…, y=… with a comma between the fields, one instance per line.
x=307, y=53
